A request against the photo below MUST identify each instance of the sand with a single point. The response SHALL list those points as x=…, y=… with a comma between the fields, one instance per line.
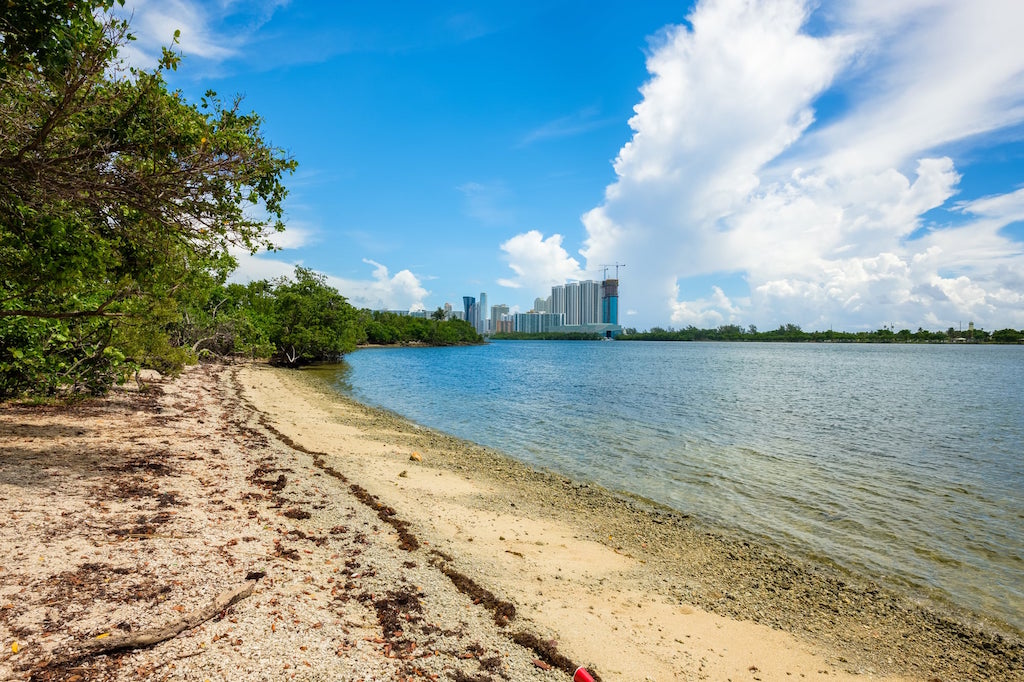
x=366, y=547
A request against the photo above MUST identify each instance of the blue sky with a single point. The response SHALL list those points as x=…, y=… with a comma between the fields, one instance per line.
x=844, y=164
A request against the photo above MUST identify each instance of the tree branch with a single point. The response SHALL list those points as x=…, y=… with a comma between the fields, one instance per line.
x=153, y=636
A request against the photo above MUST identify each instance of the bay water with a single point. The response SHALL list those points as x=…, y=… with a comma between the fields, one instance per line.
x=904, y=463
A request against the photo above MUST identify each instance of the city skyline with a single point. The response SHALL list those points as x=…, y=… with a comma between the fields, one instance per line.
x=587, y=306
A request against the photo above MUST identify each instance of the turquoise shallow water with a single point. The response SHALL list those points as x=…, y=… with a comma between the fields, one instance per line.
x=902, y=462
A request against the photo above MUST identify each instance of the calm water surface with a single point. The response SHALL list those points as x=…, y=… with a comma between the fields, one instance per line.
x=903, y=462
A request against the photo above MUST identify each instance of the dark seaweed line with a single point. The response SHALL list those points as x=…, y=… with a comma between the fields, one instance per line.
x=504, y=611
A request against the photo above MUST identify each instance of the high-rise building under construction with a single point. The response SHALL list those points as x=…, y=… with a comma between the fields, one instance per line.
x=610, y=301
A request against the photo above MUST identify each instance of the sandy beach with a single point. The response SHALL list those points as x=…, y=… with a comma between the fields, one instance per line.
x=245, y=523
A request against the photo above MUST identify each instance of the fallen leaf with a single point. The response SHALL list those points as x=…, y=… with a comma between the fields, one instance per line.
x=541, y=664
x=105, y=634
x=14, y=647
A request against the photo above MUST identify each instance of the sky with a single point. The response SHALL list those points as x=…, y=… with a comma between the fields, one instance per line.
x=854, y=165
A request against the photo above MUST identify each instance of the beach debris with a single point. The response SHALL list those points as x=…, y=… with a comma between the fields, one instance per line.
x=541, y=664
x=107, y=644
x=547, y=652
x=14, y=647
x=296, y=513
x=415, y=457
x=504, y=612
x=581, y=675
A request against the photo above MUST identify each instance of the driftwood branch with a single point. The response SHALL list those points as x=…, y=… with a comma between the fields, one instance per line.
x=153, y=636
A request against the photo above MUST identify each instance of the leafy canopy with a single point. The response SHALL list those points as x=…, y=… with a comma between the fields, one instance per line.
x=116, y=196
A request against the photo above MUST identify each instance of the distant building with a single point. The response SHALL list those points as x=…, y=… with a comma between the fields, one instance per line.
x=533, y=323
x=586, y=306
x=590, y=302
x=481, y=320
x=580, y=302
x=497, y=312
x=407, y=313
x=573, y=304
x=557, y=302
x=469, y=310
x=610, y=301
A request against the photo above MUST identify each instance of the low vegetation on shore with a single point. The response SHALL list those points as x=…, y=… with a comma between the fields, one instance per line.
x=793, y=333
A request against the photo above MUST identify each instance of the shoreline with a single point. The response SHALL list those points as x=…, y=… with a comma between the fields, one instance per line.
x=512, y=568
x=725, y=568
x=919, y=587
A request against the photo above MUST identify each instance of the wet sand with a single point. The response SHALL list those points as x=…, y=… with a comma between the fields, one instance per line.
x=391, y=551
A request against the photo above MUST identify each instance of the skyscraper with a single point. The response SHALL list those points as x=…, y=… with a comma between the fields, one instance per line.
x=557, y=306
x=610, y=301
x=496, y=314
x=481, y=325
x=590, y=302
x=573, y=305
x=469, y=310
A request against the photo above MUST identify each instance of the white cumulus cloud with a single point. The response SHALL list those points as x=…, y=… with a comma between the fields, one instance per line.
x=538, y=263
x=384, y=291
x=380, y=291
x=730, y=173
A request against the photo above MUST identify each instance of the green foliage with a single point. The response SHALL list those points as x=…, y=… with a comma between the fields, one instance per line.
x=117, y=198
x=384, y=328
x=300, y=321
x=311, y=322
x=42, y=33
x=39, y=356
x=1008, y=336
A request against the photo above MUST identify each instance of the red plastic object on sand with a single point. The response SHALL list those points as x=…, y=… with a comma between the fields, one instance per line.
x=581, y=675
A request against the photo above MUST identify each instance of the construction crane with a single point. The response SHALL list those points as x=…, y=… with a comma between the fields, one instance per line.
x=611, y=265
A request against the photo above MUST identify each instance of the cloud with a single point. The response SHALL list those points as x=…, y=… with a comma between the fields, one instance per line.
x=210, y=31
x=706, y=313
x=260, y=266
x=401, y=291
x=730, y=169
x=538, y=263
x=296, y=236
x=577, y=123
x=1002, y=209
x=382, y=291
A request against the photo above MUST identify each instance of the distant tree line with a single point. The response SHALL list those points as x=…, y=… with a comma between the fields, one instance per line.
x=389, y=329
x=793, y=333
x=298, y=322
x=289, y=321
